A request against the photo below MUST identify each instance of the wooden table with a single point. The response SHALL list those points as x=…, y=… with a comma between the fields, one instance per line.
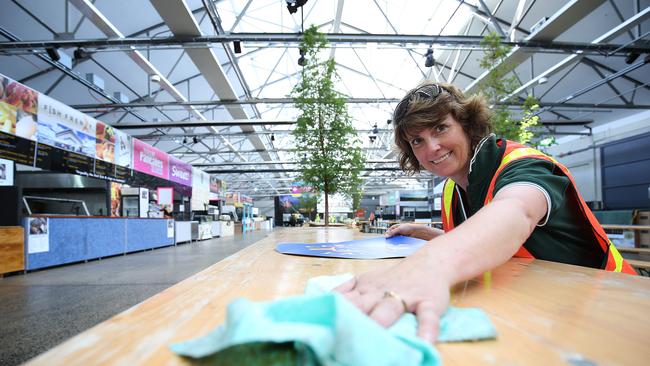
x=545, y=313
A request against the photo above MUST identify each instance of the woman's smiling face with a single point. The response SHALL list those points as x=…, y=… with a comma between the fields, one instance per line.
x=443, y=150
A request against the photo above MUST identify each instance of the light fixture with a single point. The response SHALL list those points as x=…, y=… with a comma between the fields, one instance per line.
x=272, y=137
x=81, y=54
x=375, y=130
x=185, y=140
x=631, y=57
x=429, y=61
x=155, y=78
x=195, y=140
x=302, y=61
x=389, y=121
x=293, y=5
x=542, y=80
x=53, y=53
x=372, y=138
x=237, y=46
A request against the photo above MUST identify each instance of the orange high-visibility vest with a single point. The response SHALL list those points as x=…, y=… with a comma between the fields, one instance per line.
x=515, y=151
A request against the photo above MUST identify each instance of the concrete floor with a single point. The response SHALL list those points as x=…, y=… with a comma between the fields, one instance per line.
x=44, y=308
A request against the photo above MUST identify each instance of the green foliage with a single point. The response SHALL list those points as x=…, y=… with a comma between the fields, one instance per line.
x=328, y=150
x=498, y=85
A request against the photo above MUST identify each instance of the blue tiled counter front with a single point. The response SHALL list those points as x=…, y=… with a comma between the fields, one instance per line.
x=72, y=240
x=147, y=233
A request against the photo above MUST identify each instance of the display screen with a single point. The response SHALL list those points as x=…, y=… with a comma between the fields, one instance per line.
x=17, y=149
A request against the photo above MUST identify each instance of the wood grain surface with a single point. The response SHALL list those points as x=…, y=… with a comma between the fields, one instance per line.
x=12, y=249
x=545, y=313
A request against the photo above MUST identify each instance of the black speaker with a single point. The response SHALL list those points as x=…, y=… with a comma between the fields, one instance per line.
x=53, y=53
x=237, y=46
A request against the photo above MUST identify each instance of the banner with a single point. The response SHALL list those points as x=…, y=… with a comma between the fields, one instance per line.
x=217, y=186
x=149, y=160
x=123, y=149
x=64, y=127
x=180, y=172
x=105, y=147
x=18, y=108
x=200, y=190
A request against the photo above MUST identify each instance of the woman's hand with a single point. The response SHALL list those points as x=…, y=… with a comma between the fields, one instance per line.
x=409, y=286
x=414, y=230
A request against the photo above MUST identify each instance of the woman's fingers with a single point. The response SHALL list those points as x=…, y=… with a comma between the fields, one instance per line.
x=387, y=310
x=428, y=321
x=346, y=286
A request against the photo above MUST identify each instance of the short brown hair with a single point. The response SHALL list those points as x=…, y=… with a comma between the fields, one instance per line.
x=423, y=112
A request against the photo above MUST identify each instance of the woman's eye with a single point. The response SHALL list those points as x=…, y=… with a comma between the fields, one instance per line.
x=416, y=141
x=440, y=128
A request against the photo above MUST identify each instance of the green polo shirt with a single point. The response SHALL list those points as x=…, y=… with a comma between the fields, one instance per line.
x=565, y=235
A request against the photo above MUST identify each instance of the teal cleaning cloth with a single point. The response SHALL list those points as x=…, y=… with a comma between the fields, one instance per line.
x=323, y=328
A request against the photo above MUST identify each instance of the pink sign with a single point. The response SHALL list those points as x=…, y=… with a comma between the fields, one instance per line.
x=180, y=172
x=147, y=159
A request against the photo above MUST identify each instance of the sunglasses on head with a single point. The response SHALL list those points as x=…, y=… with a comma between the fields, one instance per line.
x=430, y=91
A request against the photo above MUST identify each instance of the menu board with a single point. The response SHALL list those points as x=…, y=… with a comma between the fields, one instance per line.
x=48, y=157
x=17, y=149
x=105, y=170
x=51, y=158
x=122, y=174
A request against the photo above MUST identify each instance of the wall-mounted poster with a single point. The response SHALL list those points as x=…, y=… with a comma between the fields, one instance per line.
x=105, y=147
x=180, y=172
x=123, y=149
x=18, y=108
x=149, y=160
x=38, y=239
x=65, y=128
x=6, y=172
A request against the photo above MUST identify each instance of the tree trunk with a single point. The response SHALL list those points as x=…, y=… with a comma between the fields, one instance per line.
x=327, y=207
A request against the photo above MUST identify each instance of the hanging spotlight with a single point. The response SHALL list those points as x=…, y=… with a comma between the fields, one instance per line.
x=375, y=130
x=389, y=121
x=81, y=54
x=372, y=138
x=185, y=140
x=237, y=46
x=53, y=53
x=195, y=140
x=293, y=5
x=429, y=61
x=272, y=137
x=302, y=61
x=631, y=57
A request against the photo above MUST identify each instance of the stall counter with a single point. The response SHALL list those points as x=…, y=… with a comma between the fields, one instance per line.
x=56, y=240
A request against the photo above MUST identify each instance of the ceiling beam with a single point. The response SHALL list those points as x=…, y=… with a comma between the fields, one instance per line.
x=89, y=107
x=562, y=20
x=469, y=42
x=182, y=23
x=611, y=34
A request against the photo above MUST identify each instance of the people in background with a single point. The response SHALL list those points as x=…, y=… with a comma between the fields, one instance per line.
x=501, y=199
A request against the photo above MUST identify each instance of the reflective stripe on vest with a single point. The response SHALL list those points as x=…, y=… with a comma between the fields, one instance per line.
x=447, y=198
x=515, y=151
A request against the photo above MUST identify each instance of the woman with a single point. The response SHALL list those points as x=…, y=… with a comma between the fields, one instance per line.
x=503, y=193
